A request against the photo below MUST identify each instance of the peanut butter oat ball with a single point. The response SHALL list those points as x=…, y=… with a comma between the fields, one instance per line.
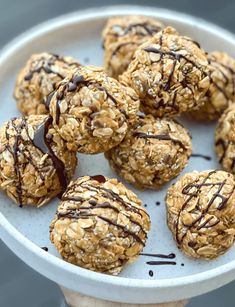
x=99, y=225
x=34, y=162
x=201, y=213
x=221, y=93
x=152, y=153
x=225, y=140
x=92, y=111
x=169, y=73
x=38, y=79
x=121, y=37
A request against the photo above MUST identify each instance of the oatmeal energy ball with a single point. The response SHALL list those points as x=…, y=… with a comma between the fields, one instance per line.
x=225, y=140
x=200, y=213
x=222, y=89
x=169, y=73
x=38, y=79
x=35, y=164
x=99, y=225
x=121, y=37
x=153, y=153
x=92, y=111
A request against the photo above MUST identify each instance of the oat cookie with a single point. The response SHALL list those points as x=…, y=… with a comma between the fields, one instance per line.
x=221, y=93
x=200, y=213
x=121, y=37
x=38, y=79
x=169, y=73
x=225, y=140
x=92, y=111
x=152, y=153
x=99, y=225
x=34, y=162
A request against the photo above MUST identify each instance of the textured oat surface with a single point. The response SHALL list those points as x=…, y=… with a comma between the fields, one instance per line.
x=200, y=213
x=92, y=111
x=152, y=153
x=169, y=73
x=225, y=139
x=122, y=36
x=221, y=93
x=99, y=225
x=33, y=169
x=38, y=79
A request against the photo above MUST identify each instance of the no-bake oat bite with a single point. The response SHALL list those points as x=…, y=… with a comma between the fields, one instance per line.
x=92, y=111
x=35, y=164
x=38, y=79
x=225, y=140
x=200, y=213
x=99, y=225
x=152, y=153
x=221, y=93
x=121, y=37
x=169, y=73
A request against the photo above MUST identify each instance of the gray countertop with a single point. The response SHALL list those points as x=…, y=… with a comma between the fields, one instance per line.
x=20, y=285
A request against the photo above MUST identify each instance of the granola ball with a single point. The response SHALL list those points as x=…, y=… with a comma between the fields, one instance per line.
x=34, y=162
x=201, y=213
x=221, y=93
x=99, y=225
x=169, y=73
x=121, y=37
x=225, y=140
x=152, y=153
x=92, y=111
x=38, y=79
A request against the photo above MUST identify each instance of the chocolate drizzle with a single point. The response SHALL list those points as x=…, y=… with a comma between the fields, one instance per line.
x=117, y=49
x=225, y=146
x=176, y=57
x=99, y=178
x=83, y=211
x=46, y=66
x=201, y=156
x=161, y=262
x=72, y=86
x=163, y=137
x=193, y=190
x=42, y=142
x=163, y=256
x=218, y=65
x=150, y=273
x=149, y=29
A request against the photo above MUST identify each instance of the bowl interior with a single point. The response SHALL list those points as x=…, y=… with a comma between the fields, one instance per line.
x=82, y=40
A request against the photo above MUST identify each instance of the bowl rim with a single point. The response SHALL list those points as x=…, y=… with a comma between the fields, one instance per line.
x=72, y=18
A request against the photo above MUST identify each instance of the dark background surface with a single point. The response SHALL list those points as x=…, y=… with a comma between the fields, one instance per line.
x=19, y=285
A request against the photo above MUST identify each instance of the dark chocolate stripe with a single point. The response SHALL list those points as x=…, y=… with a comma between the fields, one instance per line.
x=42, y=142
x=197, y=188
x=163, y=137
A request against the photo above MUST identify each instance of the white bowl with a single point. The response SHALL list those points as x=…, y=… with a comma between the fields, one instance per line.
x=25, y=230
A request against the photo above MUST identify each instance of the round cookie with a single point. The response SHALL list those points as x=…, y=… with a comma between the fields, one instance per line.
x=121, y=37
x=169, y=74
x=92, y=111
x=222, y=89
x=200, y=213
x=152, y=153
x=225, y=140
x=99, y=225
x=38, y=79
x=35, y=164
